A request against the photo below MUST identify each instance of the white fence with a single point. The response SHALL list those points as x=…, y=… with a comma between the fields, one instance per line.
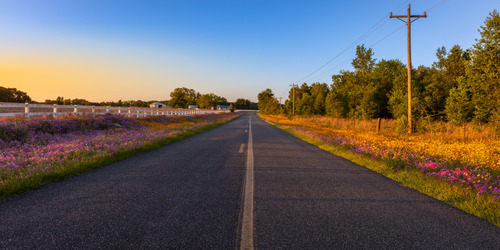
x=27, y=110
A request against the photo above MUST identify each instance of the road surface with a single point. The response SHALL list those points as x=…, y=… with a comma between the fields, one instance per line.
x=243, y=185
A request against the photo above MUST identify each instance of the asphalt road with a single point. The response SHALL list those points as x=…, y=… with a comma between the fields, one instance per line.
x=190, y=195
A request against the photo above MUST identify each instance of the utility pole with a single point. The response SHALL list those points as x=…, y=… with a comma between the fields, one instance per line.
x=408, y=23
x=293, y=98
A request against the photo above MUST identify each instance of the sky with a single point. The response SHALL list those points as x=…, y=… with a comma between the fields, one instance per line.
x=110, y=50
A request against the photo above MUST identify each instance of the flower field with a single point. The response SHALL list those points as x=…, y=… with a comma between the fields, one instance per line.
x=473, y=166
x=30, y=150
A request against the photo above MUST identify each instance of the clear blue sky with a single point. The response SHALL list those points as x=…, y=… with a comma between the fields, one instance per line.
x=105, y=50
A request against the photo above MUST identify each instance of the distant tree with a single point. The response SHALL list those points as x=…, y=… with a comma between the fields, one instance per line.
x=210, y=100
x=13, y=95
x=268, y=104
x=67, y=102
x=206, y=101
x=319, y=91
x=242, y=103
x=60, y=100
x=305, y=105
x=183, y=97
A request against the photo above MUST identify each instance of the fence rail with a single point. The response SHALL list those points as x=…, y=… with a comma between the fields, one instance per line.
x=27, y=110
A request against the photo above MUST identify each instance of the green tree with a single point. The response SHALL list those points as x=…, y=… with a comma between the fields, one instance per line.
x=183, y=97
x=458, y=105
x=13, y=95
x=436, y=82
x=242, y=103
x=483, y=72
x=268, y=104
x=363, y=63
x=319, y=91
x=385, y=74
x=206, y=101
x=338, y=102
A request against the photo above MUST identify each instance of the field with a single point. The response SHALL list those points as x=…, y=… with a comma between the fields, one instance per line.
x=44, y=150
x=442, y=159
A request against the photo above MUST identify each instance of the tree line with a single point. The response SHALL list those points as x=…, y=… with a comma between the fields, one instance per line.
x=461, y=86
x=179, y=98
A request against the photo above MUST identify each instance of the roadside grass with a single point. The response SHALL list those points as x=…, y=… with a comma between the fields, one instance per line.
x=483, y=207
x=73, y=168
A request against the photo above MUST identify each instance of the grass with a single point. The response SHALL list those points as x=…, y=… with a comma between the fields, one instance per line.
x=73, y=168
x=482, y=207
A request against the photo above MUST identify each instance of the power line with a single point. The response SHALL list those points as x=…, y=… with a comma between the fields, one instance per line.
x=363, y=36
x=437, y=5
x=328, y=71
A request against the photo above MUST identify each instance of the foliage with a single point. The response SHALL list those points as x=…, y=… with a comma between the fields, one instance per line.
x=206, y=101
x=462, y=84
x=13, y=95
x=483, y=72
x=268, y=104
x=243, y=104
x=183, y=97
x=458, y=106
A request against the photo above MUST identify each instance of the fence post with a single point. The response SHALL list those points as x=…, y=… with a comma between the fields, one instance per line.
x=93, y=111
x=27, y=111
x=119, y=110
x=137, y=113
x=55, y=111
x=76, y=110
x=107, y=109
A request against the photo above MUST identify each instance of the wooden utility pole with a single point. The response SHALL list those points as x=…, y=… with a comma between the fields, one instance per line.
x=293, y=98
x=408, y=23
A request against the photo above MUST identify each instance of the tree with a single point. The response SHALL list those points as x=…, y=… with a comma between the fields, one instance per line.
x=60, y=100
x=267, y=103
x=483, y=72
x=242, y=103
x=206, y=101
x=338, y=101
x=363, y=63
x=183, y=97
x=436, y=82
x=458, y=106
x=384, y=76
x=13, y=95
x=319, y=91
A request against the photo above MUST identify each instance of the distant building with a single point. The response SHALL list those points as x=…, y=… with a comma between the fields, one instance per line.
x=222, y=107
x=159, y=105
x=192, y=107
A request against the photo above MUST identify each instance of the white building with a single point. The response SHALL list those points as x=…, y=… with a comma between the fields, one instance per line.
x=159, y=105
